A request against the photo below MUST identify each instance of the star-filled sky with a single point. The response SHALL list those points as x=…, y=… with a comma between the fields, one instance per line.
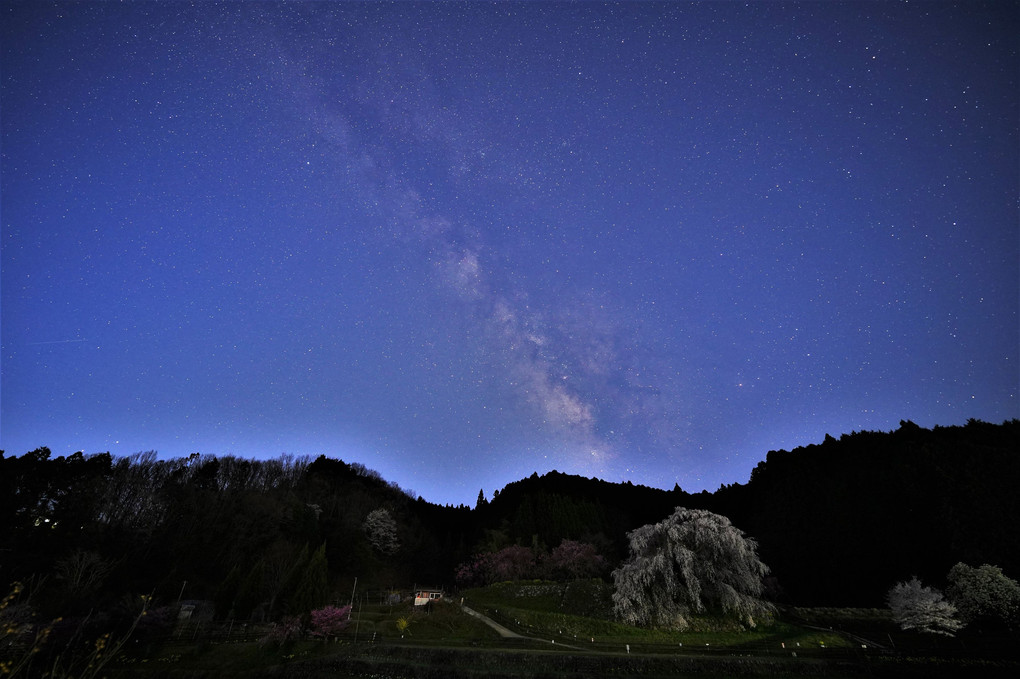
x=461, y=243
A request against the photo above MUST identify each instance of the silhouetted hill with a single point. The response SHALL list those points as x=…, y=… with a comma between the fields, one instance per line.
x=555, y=506
x=842, y=521
x=838, y=522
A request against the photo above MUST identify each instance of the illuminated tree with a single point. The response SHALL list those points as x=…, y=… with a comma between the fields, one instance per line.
x=382, y=531
x=473, y=572
x=576, y=559
x=692, y=562
x=511, y=563
x=330, y=621
x=984, y=593
x=916, y=607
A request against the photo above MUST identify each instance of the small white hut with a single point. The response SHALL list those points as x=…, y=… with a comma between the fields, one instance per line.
x=424, y=595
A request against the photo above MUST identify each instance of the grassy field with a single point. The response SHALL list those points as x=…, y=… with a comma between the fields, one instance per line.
x=443, y=623
x=570, y=634
x=581, y=611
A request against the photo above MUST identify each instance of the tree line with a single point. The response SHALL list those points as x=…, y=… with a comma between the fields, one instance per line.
x=838, y=523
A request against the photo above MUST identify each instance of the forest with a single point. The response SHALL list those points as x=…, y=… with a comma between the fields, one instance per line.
x=838, y=523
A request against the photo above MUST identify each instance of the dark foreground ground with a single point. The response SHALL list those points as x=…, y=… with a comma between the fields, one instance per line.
x=386, y=661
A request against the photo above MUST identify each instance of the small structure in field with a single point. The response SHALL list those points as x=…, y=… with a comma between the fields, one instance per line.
x=200, y=610
x=426, y=595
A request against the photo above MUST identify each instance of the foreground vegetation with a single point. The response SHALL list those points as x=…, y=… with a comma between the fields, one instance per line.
x=450, y=644
x=567, y=631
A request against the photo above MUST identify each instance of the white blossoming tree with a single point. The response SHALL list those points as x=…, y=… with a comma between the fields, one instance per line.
x=916, y=607
x=693, y=562
x=381, y=530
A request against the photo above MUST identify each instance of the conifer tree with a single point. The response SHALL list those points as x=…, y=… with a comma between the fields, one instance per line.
x=227, y=593
x=313, y=586
x=250, y=594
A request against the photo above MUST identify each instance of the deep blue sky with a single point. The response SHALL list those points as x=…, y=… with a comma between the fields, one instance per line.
x=460, y=243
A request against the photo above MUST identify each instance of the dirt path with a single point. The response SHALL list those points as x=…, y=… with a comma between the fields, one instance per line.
x=503, y=631
x=510, y=634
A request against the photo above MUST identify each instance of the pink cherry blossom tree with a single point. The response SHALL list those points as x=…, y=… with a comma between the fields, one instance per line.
x=330, y=621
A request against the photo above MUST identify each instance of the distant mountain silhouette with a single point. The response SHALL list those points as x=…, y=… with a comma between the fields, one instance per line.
x=839, y=522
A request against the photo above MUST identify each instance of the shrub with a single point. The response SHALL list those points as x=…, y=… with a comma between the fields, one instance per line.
x=283, y=632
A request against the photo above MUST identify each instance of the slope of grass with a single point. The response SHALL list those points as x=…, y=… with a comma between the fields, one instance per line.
x=447, y=643
x=553, y=610
x=442, y=621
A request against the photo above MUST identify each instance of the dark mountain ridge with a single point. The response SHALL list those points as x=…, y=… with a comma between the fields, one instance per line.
x=838, y=522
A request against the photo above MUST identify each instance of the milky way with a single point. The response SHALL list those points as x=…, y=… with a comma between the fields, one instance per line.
x=461, y=243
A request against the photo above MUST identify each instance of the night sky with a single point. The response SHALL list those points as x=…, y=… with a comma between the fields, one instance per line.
x=461, y=243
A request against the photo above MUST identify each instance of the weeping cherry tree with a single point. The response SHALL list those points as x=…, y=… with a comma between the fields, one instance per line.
x=693, y=562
